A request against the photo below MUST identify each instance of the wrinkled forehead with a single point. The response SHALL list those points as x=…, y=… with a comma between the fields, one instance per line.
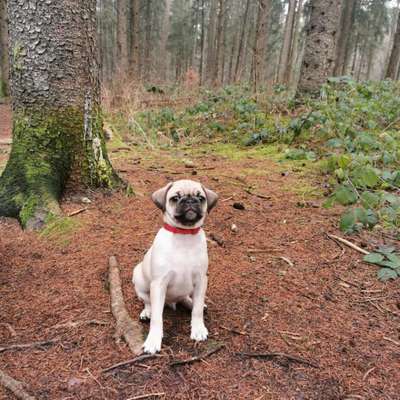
x=186, y=187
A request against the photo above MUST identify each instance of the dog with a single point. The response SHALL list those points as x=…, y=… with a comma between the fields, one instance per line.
x=174, y=270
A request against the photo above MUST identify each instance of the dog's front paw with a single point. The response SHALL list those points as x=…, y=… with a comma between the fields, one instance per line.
x=145, y=315
x=152, y=344
x=199, y=332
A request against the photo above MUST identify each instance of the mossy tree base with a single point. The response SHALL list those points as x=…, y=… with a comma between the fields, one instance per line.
x=48, y=150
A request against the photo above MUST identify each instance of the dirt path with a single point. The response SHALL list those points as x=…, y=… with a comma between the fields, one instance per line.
x=327, y=307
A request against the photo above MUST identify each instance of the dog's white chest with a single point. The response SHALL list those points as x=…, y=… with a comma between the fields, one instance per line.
x=184, y=255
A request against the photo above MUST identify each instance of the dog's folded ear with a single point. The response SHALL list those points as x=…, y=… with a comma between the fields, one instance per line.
x=212, y=198
x=159, y=197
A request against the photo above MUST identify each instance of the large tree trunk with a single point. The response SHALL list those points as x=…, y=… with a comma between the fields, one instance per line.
x=346, y=24
x=393, y=67
x=260, y=45
x=57, y=125
x=319, y=57
x=202, y=34
x=164, y=60
x=284, y=66
x=122, y=36
x=4, y=67
x=211, y=41
x=296, y=48
x=219, y=41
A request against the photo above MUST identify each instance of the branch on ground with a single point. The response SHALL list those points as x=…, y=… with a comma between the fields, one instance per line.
x=16, y=387
x=128, y=329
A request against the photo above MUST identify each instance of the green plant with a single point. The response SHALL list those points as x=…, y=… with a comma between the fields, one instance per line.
x=386, y=258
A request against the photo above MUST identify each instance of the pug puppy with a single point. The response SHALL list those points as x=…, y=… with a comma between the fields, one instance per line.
x=174, y=270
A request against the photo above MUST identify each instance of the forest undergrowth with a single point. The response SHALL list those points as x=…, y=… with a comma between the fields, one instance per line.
x=350, y=136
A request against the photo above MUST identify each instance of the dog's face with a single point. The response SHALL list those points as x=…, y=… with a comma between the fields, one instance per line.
x=185, y=203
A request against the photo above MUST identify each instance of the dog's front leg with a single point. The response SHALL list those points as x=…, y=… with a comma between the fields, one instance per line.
x=158, y=289
x=199, y=330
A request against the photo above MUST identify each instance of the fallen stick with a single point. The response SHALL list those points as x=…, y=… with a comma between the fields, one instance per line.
x=197, y=358
x=28, y=345
x=146, y=396
x=126, y=327
x=130, y=362
x=16, y=387
x=71, y=214
x=277, y=355
x=368, y=372
x=391, y=340
x=261, y=196
x=233, y=331
x=347, y=243
x=287, y=261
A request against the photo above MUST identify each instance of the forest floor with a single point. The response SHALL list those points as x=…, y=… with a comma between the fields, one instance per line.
x=278, y=284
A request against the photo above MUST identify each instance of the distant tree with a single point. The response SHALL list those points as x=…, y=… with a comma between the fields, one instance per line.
x=57, y=125
x=343, y=46
x=319, y=57
x=284, y=59
x=261, y=40
x=4, y=67
x=122, y=35
x=394, y=61
x=242, y=35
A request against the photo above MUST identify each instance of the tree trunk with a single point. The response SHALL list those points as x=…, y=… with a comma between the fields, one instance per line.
x=147, y=47
x=135, y=43
x=319, y=57
x=241, y=40
x=164, y=39
x=4, y=65
x=211, y=41
x=57, y=125
x=201, y=68
x=294, y=52
x=219, y=42
x=122, y=36
x=284, y=66
x=261, y=41
x=393, y=67
x=346, y=24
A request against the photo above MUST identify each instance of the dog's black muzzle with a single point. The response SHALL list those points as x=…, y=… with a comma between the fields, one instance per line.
x=188, y=210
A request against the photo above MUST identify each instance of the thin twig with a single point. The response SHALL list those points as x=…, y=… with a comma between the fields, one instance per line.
x=368, y=372
x=261, y=196
x=71, y=214
x=287, y=261
x=146, y=396
x=16, y=387
x=227, y=199
x=234, y=331
x=391, y=340
x=347, y=243
x=75, y=324
x=281, y=355
x=28, y=345
x=197, y=358
x=131, y=361
x=9, y=328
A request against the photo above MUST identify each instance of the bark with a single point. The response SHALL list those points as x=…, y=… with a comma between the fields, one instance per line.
x=219, y=41
x=4, y=65
x=147, y=47
x=57, y=124
x=260, y=44
x=284, y=66
x=346, y=24
x=393, y=67
x=122, y=36
x=16, y=387
x=319, y=57
x=241, y=40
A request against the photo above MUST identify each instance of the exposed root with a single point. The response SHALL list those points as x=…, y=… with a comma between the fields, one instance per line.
x=126, y=327
x=197, y=358
x=28, y=345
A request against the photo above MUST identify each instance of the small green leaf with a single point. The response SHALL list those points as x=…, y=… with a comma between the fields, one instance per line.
x=385, y=274
x=370, y=200
x=345, y=196
x=348, y=222
x=374, y=258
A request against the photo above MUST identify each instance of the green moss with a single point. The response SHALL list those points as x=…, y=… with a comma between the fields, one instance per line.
x=59, y=229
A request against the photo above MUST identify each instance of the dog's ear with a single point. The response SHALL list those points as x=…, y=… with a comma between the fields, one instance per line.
x=212, y=198
x=159, y=197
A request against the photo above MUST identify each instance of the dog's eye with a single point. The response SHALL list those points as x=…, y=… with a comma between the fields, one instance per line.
x=174, y=199
x=202, y=198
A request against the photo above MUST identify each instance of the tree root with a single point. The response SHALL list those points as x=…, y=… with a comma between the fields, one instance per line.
x=16, y=387
x=128, y=329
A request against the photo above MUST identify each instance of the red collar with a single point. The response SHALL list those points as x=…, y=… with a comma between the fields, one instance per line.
x=173, y=229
